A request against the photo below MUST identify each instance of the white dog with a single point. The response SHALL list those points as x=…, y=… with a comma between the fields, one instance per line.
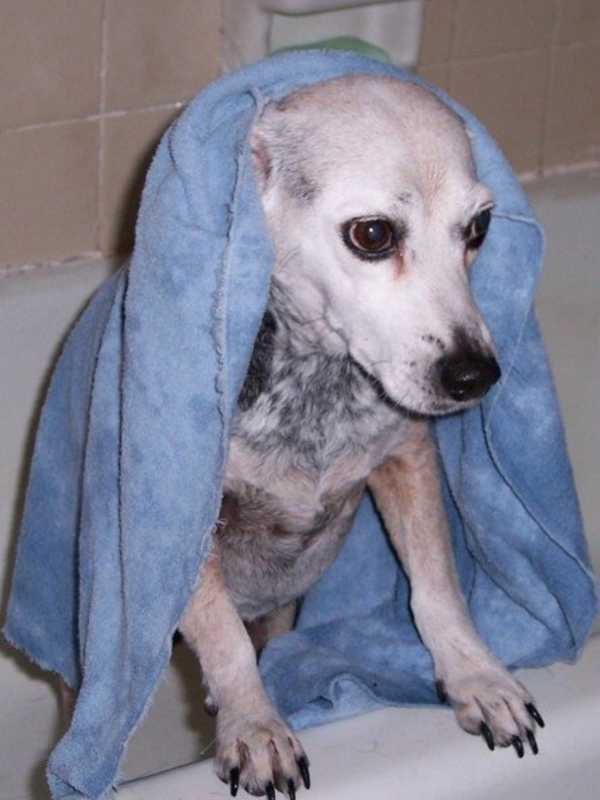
x=372, y=202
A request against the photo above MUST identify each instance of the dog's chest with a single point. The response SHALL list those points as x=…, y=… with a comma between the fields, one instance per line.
x=299, y=459
x=318, y=427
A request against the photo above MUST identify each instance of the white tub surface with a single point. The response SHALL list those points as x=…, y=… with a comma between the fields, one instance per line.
x=421, y=754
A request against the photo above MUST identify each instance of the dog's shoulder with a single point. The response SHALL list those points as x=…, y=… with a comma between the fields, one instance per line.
x=259, y=369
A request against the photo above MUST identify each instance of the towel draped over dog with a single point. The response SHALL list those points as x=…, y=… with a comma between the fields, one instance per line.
x=126, y=477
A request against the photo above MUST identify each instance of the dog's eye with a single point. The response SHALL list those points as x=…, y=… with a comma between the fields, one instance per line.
x=476, y=230
x=370, y=238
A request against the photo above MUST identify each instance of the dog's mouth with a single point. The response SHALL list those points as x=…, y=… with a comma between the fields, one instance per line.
x=450, y=385
x=420, y=401
x=442, y=407
x=431, y=404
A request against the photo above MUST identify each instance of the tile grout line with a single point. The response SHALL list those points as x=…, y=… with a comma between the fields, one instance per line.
x=523, y=51
x=550, y=68
x=101, y=122
x=11, y=270
x=516, y=52
x=556, y=26
x=97, y=117
x=589, y=165
x=450, y=56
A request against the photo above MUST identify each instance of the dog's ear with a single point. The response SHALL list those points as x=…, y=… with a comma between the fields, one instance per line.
x=278, y=142
x=261, y=156
x=262, y=151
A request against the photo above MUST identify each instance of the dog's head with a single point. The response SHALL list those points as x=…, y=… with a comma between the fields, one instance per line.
x=371, y=198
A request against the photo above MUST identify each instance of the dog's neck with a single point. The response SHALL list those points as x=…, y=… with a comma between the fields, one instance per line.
x=299, y=396
x=290, y=342
x=305, y=331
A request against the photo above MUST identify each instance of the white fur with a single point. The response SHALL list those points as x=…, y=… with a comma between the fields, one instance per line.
x=390, y=149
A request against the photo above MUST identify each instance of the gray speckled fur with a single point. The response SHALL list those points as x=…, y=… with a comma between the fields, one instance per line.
x=309, y=416
x=314, y=403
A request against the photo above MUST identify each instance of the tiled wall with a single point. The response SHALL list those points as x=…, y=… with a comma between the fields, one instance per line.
x=87, y=87
x=530, y=70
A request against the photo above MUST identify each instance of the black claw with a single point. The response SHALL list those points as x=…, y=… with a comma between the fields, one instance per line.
x=518, y=745
x=535, y=714
x=487, y=735
x=291, y=789
x=303, y=767
x=270, y=791
x=532, y=742
x=234, y=780
x=440, y=688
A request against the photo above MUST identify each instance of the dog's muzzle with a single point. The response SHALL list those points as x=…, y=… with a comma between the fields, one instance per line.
x=466, y=377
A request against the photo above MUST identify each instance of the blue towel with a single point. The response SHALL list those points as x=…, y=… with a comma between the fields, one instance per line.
x=125, y=484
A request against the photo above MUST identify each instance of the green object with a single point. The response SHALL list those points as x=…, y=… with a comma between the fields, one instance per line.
x=344, y=43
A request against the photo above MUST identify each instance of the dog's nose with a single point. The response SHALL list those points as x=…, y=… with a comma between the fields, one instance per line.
x=467, y=377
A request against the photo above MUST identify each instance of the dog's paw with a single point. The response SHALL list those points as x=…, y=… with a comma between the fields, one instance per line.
x=261, y=754
x=493, y=704
x=210, y=706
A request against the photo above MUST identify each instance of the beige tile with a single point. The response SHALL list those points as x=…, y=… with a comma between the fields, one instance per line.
x=49, y=60
x=438, y=74
x=493, y=27
x=507, y=94
x=48, y=192
x=578, y=21
x=129, y=143
x=436, y=38
x=160, y=53
x=573, y=121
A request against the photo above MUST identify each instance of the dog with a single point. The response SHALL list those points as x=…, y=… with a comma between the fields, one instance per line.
x=370, y=195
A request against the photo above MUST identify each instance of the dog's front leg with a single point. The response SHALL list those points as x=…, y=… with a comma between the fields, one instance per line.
x=486, y=699
x=254, y=746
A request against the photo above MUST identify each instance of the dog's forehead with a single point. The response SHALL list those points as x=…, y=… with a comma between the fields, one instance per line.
x=378, y=107
x=402, y=188
x=378, y=133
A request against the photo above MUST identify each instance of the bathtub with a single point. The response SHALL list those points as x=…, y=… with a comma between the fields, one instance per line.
x=390, y=753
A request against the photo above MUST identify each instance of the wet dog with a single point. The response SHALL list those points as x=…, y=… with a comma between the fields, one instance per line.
x=371, y=198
